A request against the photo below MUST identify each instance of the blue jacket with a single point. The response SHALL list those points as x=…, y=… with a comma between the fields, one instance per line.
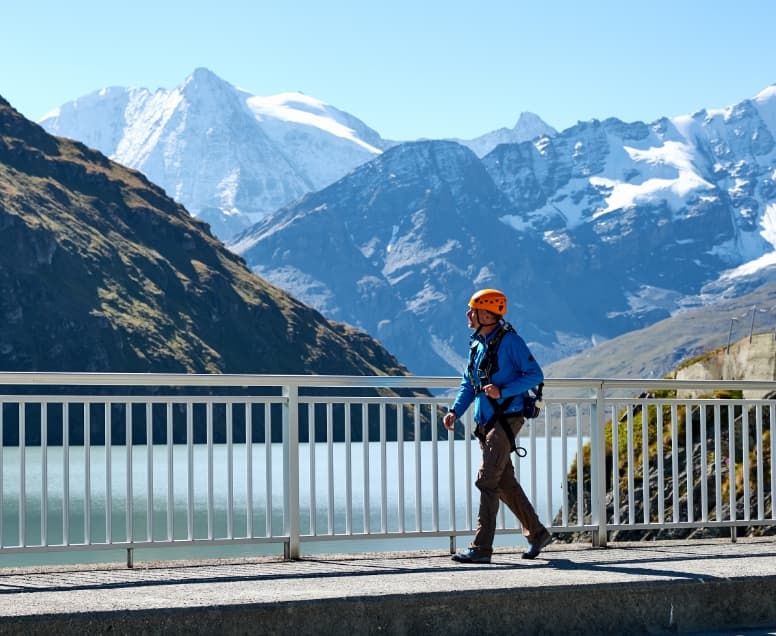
x=517, y=372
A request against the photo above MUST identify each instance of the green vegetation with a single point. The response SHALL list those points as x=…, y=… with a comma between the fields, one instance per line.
x=699, y=358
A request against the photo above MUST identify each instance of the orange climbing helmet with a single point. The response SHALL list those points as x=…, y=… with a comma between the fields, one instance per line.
x=491, y=300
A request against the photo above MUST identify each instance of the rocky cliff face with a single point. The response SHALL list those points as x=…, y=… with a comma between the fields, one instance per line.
x=101, y=271
x=399, y=246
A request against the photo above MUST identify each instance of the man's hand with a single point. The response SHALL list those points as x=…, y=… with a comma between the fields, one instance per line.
x=449, y=421
x=492, y=391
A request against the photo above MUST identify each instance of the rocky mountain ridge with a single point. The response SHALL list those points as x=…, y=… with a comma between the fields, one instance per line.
x=600, y=230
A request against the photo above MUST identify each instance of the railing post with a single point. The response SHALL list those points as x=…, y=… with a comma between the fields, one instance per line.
x=291, y=463
x=598, y=468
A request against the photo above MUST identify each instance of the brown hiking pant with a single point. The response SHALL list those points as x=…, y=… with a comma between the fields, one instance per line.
x=496, y=482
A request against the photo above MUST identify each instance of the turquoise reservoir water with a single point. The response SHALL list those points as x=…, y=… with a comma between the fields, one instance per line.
x=380, y=479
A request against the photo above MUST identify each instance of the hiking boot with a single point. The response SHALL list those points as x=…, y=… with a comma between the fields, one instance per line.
x=535, y=548
x=472, y=555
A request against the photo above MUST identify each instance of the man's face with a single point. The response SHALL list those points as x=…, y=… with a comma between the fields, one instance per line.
x=471, y=316
x=480, y=318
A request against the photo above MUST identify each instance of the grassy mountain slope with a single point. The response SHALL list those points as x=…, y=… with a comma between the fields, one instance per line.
x=101, y=271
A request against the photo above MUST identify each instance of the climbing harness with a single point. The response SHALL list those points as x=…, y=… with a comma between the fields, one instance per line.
x=480, y=377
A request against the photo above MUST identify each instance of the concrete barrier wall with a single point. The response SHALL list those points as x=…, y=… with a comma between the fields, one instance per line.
x=755, y=360
x=627, y=608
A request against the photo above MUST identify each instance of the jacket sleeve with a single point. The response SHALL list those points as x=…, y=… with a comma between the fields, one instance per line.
x=528, y=373
x=464, y=397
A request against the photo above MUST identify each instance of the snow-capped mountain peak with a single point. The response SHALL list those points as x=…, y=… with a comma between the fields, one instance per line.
x=298, y=108
x=529, y=126
x=228, y=156
x=204, y=80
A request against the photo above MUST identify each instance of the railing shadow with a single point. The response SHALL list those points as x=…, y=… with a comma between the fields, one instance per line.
x=350, y=566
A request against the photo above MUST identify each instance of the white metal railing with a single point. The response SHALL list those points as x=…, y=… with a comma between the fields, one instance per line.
x=99, y=461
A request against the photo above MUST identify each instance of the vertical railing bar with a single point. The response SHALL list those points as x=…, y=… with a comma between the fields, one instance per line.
x=348, y=470
x=615, y=466
x=108, y=471
x=2, y=481
x=65, y=472
x=249, y=468
x=170, y=474
x=564, y=502
x=548, y=466
x=22, y=473
x=518, y=463
x=210, y=463
x=502, y=523
x=383, y=471
x=518, y=467
x=704, y=465
x=311, y=464
x=291, y=466
x=746, y=460
x=87, y=473
x=760, y=484
x=451, y=505
x=365, y=466
x=400, y=465
x=732, y=462
x=418, y=467
x=229, y=469
x=580, y=462
x=149, y=471
x=645, y=459
x=532, y=462
x=435, y=478
x=129, y=439
x=44, y=472
x=468, y=424
x=659, y=431
x=675, y=462
x=688, y=456
x=718, y=462
x=598, y=468
x=630, y=433
x=771, y=427
x=330, y=467
x=268, y=468
x=190, y=471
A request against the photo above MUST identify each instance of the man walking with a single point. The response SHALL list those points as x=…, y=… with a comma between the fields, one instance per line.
x=501, y=369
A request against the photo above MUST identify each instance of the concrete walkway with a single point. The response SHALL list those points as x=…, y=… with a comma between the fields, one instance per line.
x=634, y=588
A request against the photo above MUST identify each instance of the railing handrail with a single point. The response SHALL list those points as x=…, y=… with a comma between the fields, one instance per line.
x=225, y=379
x=65, y=378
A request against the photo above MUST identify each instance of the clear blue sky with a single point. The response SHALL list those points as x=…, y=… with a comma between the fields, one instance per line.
x=407, y=68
